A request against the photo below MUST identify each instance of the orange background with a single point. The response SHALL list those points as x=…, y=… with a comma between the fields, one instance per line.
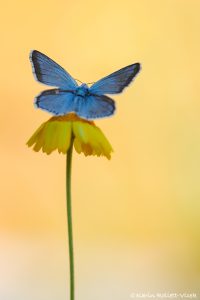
x=136, y=217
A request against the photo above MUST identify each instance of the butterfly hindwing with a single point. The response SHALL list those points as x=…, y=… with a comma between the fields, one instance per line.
x=96, y=106
x=50, y=73
x=61, y=102
x=115, y=82
x=56, y=101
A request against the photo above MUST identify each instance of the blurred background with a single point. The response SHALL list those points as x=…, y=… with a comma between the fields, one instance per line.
x=136, y=218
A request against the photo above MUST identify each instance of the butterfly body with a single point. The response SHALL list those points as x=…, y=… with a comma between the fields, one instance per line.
x=87, y=102
x=82, y=90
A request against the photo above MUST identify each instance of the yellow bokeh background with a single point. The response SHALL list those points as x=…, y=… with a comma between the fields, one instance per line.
x=136, y=217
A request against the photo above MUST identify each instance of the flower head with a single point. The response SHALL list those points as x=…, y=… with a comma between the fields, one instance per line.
x=56, y=133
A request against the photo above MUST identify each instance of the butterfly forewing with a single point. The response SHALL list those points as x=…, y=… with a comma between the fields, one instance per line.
x=115, y=82
x=50, y=73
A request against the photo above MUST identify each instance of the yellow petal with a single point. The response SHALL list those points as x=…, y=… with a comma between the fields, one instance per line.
x=77, y=145
x=34, y=137
x=64, y=136
x=56, y=134
x=50, y=137
x=87, y=149
x=80, y=131
x=39, y=140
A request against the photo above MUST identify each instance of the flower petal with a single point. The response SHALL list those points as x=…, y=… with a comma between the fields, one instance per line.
x=77, y=145
x=56, y=134
x=34, y=137
x=80, y=131
x=51, y=137
x=65, y=132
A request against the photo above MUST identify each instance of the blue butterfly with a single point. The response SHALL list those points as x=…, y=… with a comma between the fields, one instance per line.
x=87, y=102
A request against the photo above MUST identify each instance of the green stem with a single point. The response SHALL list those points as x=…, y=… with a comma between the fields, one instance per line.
x=69, y=217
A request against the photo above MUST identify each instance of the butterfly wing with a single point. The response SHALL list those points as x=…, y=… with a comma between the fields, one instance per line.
x=96, y=106
x=115, y=82
x=61, y=102
x=55, y=101
x=49, y=72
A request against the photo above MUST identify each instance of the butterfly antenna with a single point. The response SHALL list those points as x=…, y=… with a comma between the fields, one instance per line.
x=90, y=82
x=78, y=80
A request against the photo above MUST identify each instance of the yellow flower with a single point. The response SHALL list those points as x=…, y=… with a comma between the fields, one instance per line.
x=56, y=133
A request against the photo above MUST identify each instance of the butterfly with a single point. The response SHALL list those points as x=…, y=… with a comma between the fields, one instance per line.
x=87, y=102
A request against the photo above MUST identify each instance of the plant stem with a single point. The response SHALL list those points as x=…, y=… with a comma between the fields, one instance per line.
x=69, y=217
